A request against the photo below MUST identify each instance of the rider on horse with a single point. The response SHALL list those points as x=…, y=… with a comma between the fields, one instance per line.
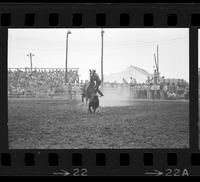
x=94, y=77
x=91, y=87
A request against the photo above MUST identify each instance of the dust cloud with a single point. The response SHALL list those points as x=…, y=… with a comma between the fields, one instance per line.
x=115, y=97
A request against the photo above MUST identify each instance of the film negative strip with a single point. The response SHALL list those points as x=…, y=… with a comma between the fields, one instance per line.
x=99, y=89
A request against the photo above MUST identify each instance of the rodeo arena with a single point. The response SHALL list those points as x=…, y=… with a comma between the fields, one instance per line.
x=135, y=109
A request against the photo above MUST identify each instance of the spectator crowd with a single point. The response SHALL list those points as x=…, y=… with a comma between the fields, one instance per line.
x=151, y=89
x=38, y=81
x=48, y=82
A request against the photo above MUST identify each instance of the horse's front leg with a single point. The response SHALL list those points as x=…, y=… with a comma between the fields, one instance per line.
x=89, y=106
x=89, y=109
x=86, y=101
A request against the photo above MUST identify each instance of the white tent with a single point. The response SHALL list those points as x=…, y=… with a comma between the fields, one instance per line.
x=132, y=71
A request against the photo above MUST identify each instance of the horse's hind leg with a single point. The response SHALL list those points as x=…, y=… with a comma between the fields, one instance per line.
x=89, y=109
x=83, y=98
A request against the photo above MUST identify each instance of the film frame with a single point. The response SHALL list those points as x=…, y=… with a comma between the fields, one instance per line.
x=103, y=162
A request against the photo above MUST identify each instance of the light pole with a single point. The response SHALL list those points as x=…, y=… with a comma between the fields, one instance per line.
x=66, y=67
x=102, y=80
x=31, y=63
x=158, y=64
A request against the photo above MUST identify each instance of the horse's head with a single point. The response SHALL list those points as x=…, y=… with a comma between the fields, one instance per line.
x=94, y=76
x=92, y=72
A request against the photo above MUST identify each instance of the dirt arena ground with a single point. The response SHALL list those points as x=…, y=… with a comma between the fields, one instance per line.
x=62, y=124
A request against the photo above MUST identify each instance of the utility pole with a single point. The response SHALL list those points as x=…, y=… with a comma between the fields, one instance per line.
x=66, y=66
x=155, y=62
x=102, y=79
x=158, y=64
x=31, y=63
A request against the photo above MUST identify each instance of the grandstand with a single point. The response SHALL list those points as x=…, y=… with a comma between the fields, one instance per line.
x=39, y=82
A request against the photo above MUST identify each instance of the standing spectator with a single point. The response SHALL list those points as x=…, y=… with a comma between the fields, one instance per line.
x=131, y=86
x=152, y=91
x=162, y=95
x=148, y=91
x=130, y=81
x=166, y=89
x=157, y=91
x=145, y=87
x=173, y=88
x=155, y=77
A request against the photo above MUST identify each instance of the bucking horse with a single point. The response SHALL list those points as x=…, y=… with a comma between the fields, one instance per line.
x=90, y=91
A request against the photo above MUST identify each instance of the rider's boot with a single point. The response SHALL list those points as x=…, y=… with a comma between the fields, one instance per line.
x=100, y=93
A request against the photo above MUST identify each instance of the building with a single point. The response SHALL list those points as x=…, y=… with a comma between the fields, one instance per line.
x=139, y=74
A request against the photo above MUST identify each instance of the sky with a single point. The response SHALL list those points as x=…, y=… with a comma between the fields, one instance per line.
x=122, y=47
